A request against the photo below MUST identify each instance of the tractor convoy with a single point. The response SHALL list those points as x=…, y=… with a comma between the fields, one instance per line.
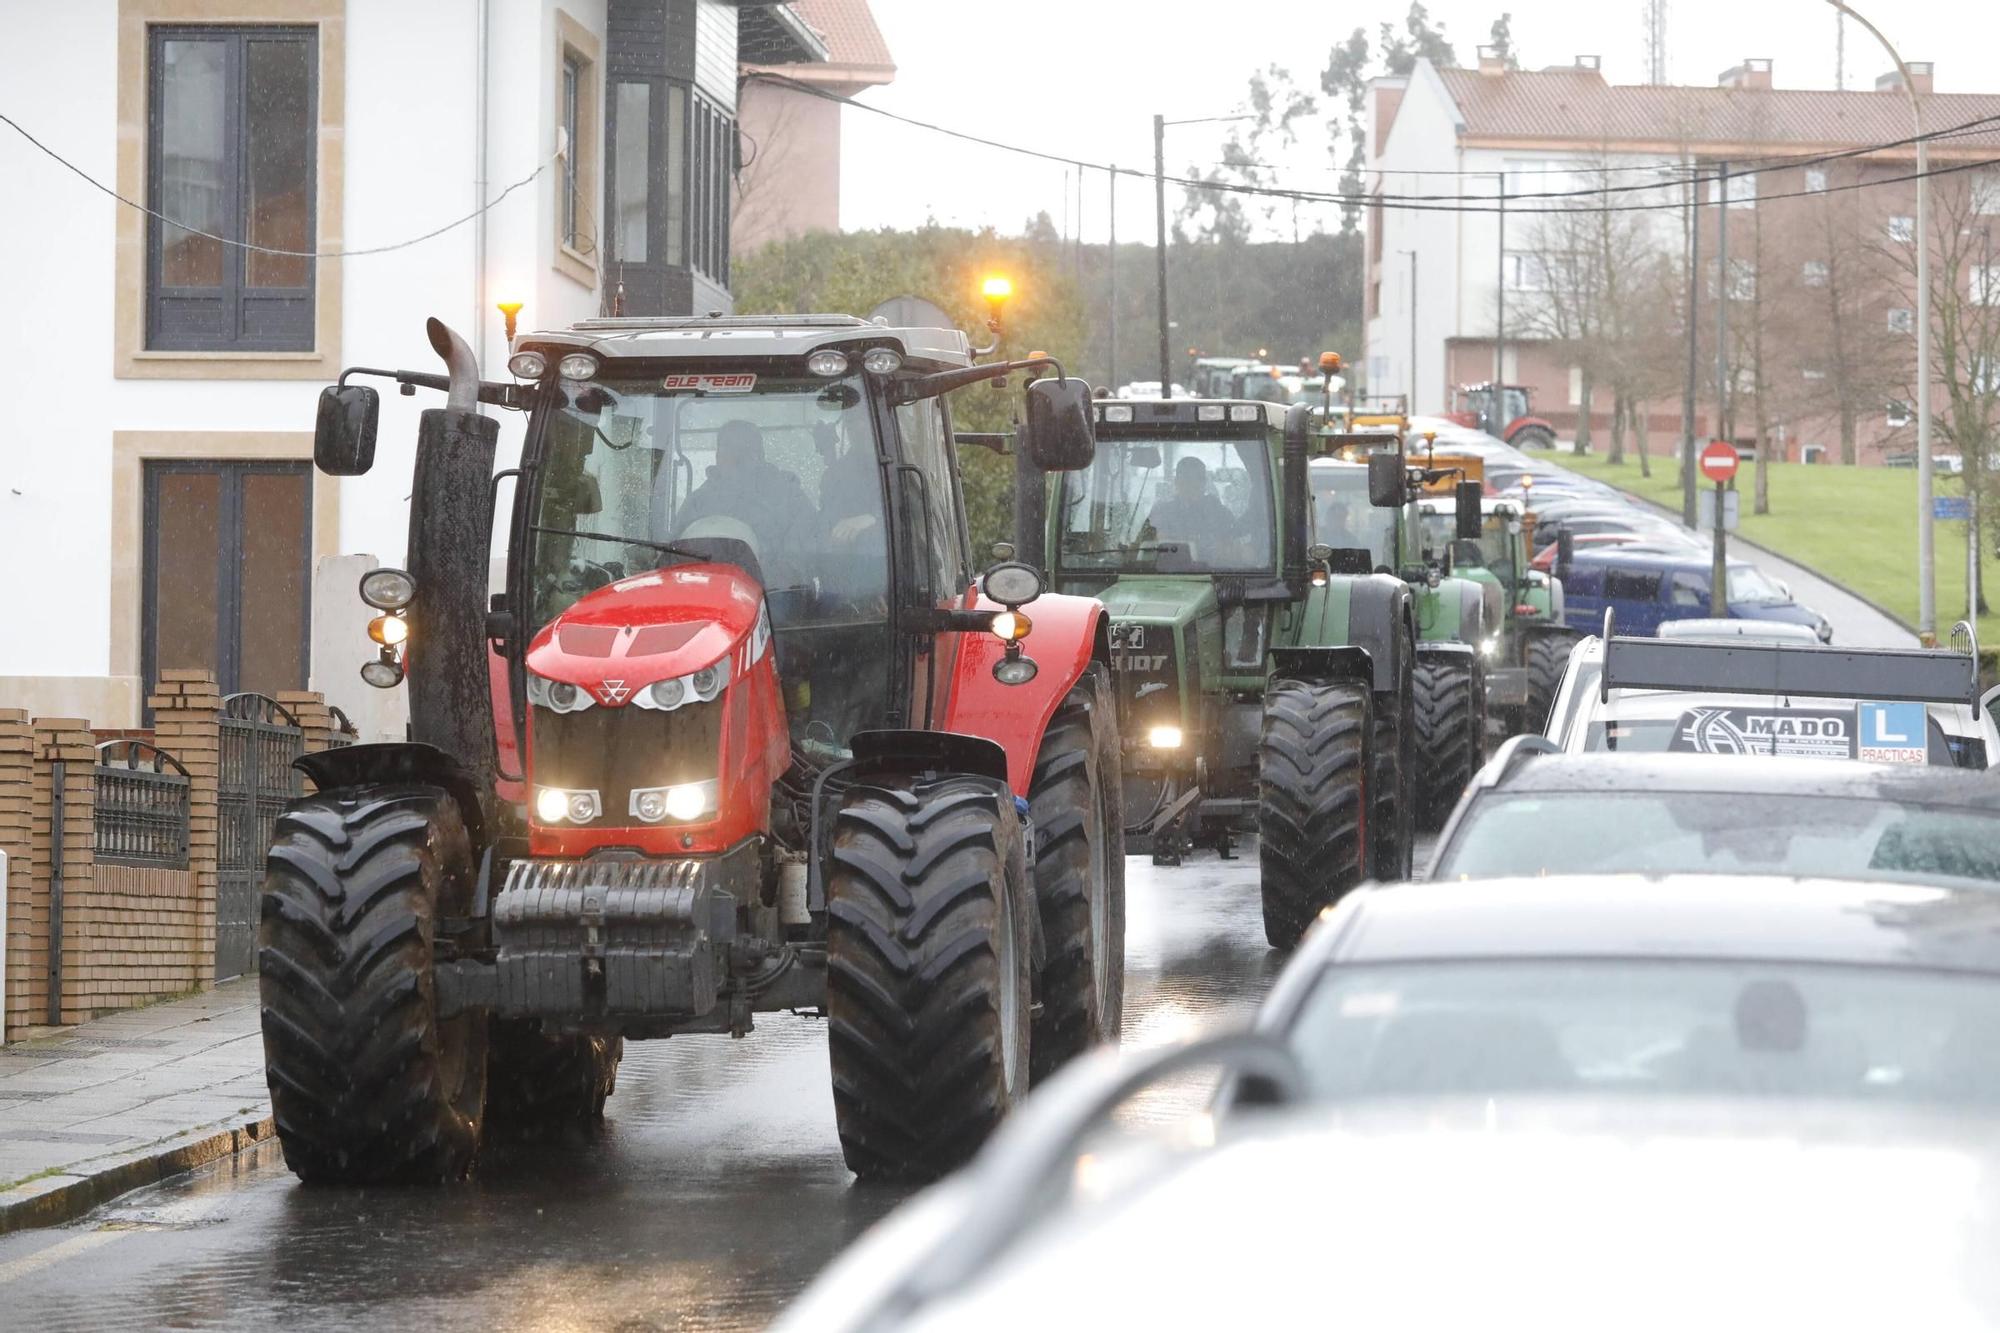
x=745, y=728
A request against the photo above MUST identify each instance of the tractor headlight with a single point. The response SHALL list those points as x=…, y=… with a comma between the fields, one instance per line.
x=558, y=696
x=682, y=803
x=1164, y=738
x=1490, y=647
x=695, y=687
x=827, y=362
x=528, y=365
x=384, y=673
x=388, y=589
x=555, y=805
x=578, y=366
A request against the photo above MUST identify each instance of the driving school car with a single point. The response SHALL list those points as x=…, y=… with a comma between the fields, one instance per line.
x=1771, y=699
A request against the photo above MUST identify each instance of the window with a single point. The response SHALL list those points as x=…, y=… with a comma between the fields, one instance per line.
x=232, y=149
x=1902, y=229
x=1900, y=321
x=578, y=115
x=711, y=161
x=1630, y=585
x=1689, y=590
x=1986, y=191
x=631, y=171
x=1525, y=272
x=1899, y=413
x=1814, y=374
x=1985, y=377
x=1742, y=190
x=1576, y=386
x=1814, y=274
x=922, y=427
x=1815, y=179
x=572, y=93
x=1985, y=284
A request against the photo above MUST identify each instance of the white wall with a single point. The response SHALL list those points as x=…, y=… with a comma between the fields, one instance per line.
x=410, y=166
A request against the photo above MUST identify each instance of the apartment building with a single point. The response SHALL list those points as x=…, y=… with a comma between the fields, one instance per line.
x=1820, y=229
x=158, y=509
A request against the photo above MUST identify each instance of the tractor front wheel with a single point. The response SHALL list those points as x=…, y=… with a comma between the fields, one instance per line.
x=368, y=1084
x=1450, y=732
x=1311, y=799
x=1547, y=658
x=1075, y=800
x=541, y=1083
x=929, y=977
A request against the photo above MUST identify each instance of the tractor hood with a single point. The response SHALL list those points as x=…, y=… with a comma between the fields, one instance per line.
x=1159, y=601
x=666, y=623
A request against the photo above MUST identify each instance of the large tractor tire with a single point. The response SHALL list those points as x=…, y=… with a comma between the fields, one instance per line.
x=1392, y=789
x=1547, y=658
x=368, y=1084
x=1532, y=437
x=1311, y=790
x=540, y=1083
x=929, y=977
x=1450, y=734
x=1076, y=801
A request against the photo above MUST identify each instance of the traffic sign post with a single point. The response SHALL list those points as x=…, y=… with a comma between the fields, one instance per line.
x=1718, y=462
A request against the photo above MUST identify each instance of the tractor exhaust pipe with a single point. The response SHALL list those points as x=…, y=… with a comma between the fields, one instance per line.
x=451, y=526
x=1295, y=489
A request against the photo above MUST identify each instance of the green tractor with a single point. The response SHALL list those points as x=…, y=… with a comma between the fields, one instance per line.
x=1264, y=679
x=1528, y=648
x=1369, y=498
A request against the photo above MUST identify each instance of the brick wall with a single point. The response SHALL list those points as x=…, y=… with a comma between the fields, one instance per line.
x=129, y=933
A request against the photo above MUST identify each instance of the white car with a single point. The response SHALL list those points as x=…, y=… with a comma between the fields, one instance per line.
x=1763, y=631
x=1699, y=695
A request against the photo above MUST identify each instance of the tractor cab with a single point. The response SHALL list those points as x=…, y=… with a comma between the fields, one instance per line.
x=1503, y=411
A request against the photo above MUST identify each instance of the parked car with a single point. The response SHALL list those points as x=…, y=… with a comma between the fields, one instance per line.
x=1533, y=813
x=1545, y=559
x=1684, y=1102
x=1764, y=631
x=1647, y=586
x=1784, y=700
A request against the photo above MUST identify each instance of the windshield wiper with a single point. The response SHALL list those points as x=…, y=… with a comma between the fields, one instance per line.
x=671, y=549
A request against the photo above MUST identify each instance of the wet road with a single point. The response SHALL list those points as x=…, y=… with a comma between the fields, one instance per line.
x=714, y=1193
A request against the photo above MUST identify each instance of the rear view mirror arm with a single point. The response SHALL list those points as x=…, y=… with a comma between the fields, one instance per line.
x=944, y=381
x=518, y=396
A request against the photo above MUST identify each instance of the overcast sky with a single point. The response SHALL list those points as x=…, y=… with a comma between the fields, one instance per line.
x=1086, y=76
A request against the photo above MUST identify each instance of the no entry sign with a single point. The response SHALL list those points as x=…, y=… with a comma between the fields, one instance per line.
x=1718, y=461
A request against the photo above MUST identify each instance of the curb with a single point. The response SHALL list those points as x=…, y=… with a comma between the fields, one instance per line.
x=1823, y=577
x=66, y=1196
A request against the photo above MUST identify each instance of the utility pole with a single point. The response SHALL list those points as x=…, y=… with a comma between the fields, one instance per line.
x=1111, y=356
x=1688, y=501
x=1160, y=244
x=1722, y=430
x=1500, y=311
x=1412, y=407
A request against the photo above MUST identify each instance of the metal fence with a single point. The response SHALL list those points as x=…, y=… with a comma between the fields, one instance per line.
x=259, y=739
x=142, y=806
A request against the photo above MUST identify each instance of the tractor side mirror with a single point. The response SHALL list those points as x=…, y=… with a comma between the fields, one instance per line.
x=1386, y=483
x=344, y=433
x=1060, y=436
x=1470, y=525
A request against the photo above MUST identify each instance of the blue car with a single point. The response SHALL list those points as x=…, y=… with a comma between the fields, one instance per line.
x=1646, y=587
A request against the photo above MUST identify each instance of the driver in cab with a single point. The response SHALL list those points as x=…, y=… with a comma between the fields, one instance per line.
x=746, y=486
x=1192, y=514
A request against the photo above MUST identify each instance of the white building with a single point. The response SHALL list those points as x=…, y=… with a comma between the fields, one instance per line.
x=157, y=504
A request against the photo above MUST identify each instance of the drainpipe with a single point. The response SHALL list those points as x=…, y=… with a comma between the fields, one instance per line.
x=480, y=47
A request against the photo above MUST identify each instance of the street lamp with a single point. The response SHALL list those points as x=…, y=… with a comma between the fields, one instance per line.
x=1926, y=549
x=1160, y=124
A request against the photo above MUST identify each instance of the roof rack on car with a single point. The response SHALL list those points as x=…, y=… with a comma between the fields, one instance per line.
x=1913, y=675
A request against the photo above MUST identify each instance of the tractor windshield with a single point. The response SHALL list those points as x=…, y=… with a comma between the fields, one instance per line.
x=1343, y=518
x=1170, y=506
x=1493, y=551
x=780, y=475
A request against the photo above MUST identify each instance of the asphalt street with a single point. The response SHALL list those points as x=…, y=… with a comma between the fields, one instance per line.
x=713, y=1194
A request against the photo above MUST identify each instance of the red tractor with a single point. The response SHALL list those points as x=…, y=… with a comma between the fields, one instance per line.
x=742, y=734
x=1474, y=405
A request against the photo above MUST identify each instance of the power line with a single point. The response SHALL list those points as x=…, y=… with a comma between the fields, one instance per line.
x=100, y=186
x=1414, y=203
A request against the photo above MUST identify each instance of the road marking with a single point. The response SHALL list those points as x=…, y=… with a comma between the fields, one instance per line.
x=56, y=1253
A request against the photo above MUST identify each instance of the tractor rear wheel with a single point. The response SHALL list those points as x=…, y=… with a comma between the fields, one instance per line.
x=542, y=1083
x=1532, y=437
x=368, y=1083
x=929, y=979
x=1450, y=732
x=1547, y=658
x=1076, y=799
x=1311, y=790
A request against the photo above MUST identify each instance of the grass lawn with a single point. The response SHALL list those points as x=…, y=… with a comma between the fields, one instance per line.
x=1856, y=525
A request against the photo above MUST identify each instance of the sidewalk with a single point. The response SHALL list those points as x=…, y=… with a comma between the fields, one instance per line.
x=95, y=1110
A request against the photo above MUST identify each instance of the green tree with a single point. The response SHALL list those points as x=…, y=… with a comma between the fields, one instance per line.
x=853, y=272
